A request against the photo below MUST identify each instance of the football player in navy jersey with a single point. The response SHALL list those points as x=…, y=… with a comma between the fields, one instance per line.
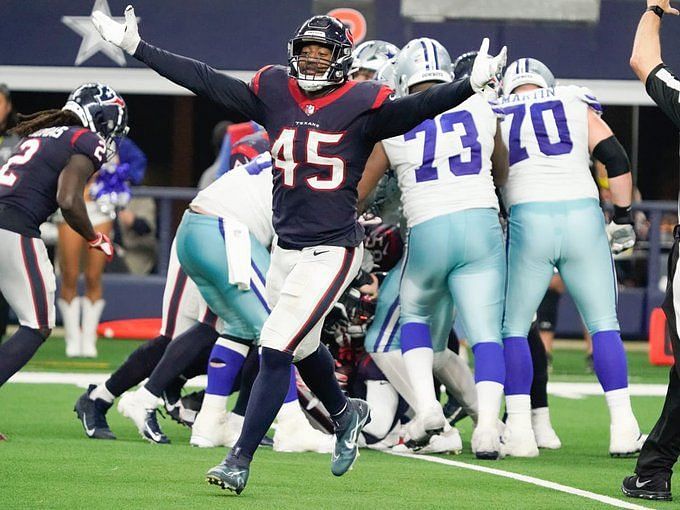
x=59, y=152
x=322, y=127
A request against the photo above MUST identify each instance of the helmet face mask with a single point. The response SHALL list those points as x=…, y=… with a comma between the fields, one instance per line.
x=527, y=71
x=329, y=33
x=422, y=60
x=102, y=111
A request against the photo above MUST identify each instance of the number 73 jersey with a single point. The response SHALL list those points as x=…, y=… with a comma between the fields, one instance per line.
x=444, y=164
x=546, y=133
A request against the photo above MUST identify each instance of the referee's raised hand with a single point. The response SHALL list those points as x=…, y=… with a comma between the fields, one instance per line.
x=665, y=6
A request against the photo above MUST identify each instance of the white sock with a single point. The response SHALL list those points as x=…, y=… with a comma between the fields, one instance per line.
x=518, y=408
x=620, y=410
x=383, y=400
x=451, y=370
x=419, y=363
x=489, y=398
x=214, y=402
x=103, y=393
x=392, y=365
x=540, y=417
x=289, y=411
x=148, y=399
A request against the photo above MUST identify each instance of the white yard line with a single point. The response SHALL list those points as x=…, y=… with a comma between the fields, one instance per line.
x=79, y=379
x=560, y=389
x=527, y=479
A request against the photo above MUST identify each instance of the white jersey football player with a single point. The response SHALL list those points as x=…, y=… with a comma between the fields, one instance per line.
x=444, y=171
x=555, y=221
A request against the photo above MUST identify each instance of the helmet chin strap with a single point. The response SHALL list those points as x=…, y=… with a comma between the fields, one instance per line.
x=312, y=85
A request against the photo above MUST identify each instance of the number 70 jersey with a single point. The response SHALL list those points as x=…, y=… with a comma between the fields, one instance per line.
x=444, y=164
x=546, y=133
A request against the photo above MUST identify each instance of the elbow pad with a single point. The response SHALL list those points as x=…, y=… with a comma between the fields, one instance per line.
x=612, y=154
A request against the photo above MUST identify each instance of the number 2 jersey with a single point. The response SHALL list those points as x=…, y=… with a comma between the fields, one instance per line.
x=444, y=164
x=28, y=181
x=546, y=133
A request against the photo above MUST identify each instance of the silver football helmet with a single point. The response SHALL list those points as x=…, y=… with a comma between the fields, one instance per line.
x=372, y=55
x=387, y=74
x=422, y=60
x=527, y=71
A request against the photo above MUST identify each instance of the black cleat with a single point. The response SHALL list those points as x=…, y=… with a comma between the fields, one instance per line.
x=346, y=448
x=454, y=412
x=656, y=487
x=267, y=442
x=92, y=415
x=228, y=476
x=152, y=430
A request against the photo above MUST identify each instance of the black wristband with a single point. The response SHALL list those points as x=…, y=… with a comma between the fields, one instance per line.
x=622, y=215
x=656, y=10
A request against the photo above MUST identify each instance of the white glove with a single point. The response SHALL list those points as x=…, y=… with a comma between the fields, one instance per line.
x=621, y=237
x=125, y=36
x=485, y=68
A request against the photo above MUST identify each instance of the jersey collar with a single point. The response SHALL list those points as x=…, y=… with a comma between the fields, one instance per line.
x=312, y=105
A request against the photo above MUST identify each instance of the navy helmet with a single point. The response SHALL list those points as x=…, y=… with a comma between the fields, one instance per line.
x=331, y=33
x=101, y=110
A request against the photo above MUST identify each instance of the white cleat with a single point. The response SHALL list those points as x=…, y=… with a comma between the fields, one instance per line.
x=210, y=429
x=295, y=434
x=424, y=426
x=133, y=406
x=625, y=441
x=545, y=435
x=446, y=442
x=486, y=443
x=518, y=442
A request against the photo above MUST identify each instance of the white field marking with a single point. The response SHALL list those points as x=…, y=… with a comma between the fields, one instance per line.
x=559, y=389
x=82, y=380
x=527, y=479
x=580, y=390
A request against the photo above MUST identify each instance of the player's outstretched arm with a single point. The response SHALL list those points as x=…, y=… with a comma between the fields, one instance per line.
x=70, y=190
x=232, y=94
x=401, y=115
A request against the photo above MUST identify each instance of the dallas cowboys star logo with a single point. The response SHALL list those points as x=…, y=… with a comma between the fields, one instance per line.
x=92, y=42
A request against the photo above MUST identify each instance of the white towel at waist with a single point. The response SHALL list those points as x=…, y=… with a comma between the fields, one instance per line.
x=237, y=246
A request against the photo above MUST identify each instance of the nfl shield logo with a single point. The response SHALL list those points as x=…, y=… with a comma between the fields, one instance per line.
x=309, y=109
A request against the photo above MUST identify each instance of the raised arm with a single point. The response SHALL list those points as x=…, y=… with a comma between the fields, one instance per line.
x=647, y=46
x=234, y=95
x=397, y=116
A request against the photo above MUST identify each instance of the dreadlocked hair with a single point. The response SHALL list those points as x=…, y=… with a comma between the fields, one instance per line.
x=27, y=124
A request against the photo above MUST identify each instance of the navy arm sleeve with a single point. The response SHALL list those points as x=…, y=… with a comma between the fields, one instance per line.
x=397, y=116
x=664, y=88
x=230, y=93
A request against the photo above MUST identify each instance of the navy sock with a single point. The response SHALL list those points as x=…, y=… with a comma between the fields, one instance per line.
x=539, y=386
x=318, y=372
x=180, y=353
x=138, y=366
x=266, y=398
x=20, y=348
x=249, y=372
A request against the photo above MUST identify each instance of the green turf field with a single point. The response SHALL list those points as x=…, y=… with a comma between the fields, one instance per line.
x=48, y=462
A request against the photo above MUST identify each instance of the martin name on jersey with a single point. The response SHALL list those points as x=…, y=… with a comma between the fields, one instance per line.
x=546, y=133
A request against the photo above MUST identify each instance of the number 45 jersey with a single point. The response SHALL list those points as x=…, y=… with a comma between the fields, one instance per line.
x=28, y=181
x=546, y=133
x=444, y=164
